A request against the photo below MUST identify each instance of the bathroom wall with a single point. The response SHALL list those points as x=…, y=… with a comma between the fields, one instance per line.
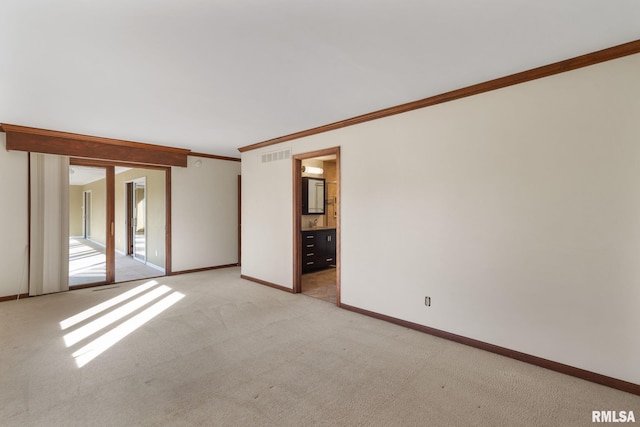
x=330, y=176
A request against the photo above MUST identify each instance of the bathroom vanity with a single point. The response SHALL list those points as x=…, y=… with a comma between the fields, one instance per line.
x=318, y=249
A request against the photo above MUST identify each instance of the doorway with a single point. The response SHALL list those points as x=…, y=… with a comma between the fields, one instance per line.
x=136, y=209
x=88, y=219
x=317, y=232
x=123, y=231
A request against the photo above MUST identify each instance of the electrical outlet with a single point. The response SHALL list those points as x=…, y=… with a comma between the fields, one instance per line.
x=427, y=301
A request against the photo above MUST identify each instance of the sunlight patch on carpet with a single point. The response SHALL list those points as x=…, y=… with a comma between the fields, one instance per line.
x=116, y=318
x=98, y=346
x=74, y=320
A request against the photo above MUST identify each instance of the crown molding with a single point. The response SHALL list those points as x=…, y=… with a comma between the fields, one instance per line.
x=593, y=58
x=215, y=156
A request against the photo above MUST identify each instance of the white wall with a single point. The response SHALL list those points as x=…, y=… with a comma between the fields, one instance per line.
x=267, y=219
x=204, y=214
x=14, y=181
x=517, y=211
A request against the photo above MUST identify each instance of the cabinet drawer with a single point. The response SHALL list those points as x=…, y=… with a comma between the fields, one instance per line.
x=309, y=264
x=308, y=236
x=309, y=250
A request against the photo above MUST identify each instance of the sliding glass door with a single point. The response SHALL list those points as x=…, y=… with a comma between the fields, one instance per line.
x=117, y=223
x=88, y=226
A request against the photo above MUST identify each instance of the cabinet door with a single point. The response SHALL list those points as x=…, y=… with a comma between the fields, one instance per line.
x=330, y=248
x=326, y=248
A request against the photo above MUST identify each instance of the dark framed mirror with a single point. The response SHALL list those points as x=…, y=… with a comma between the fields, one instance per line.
x=313, y=200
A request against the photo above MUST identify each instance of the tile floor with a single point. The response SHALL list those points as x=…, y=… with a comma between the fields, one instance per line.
x=321, y=285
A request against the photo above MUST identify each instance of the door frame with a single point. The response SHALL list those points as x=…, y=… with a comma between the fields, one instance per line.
x=239, y=220
x=297, y=217
x=110, y=196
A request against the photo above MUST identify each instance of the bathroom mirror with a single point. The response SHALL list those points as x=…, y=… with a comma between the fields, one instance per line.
x=312, y=196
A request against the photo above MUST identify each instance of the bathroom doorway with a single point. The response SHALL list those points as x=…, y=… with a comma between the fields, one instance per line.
x=317, y=231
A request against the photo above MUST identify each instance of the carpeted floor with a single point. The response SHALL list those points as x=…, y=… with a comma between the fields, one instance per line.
x=209, y=348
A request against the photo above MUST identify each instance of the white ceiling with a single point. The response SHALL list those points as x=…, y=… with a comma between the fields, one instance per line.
x=215, y=75
x=83, y=175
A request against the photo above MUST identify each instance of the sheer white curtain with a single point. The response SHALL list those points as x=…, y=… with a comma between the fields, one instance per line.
x=49, y=262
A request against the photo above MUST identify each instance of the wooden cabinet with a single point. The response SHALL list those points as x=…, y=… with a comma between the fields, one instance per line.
x=318, y=249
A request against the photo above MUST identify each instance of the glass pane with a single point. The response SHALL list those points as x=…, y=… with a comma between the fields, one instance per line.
x=139, y=223
x=87, y=225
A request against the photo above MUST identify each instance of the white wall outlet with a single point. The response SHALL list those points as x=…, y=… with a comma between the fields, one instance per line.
x=427, y=301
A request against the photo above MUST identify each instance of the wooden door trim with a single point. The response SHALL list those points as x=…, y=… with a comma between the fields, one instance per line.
x=239, y=220
x=111, y=222
x=167, y=222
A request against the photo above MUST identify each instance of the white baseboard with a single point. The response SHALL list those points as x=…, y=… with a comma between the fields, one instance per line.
x=97, y=243
x=156, y=267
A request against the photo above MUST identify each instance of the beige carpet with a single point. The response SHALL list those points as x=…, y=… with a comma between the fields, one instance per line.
x=231, y=352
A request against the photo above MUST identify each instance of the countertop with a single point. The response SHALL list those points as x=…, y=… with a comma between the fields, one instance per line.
x=318, y=228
